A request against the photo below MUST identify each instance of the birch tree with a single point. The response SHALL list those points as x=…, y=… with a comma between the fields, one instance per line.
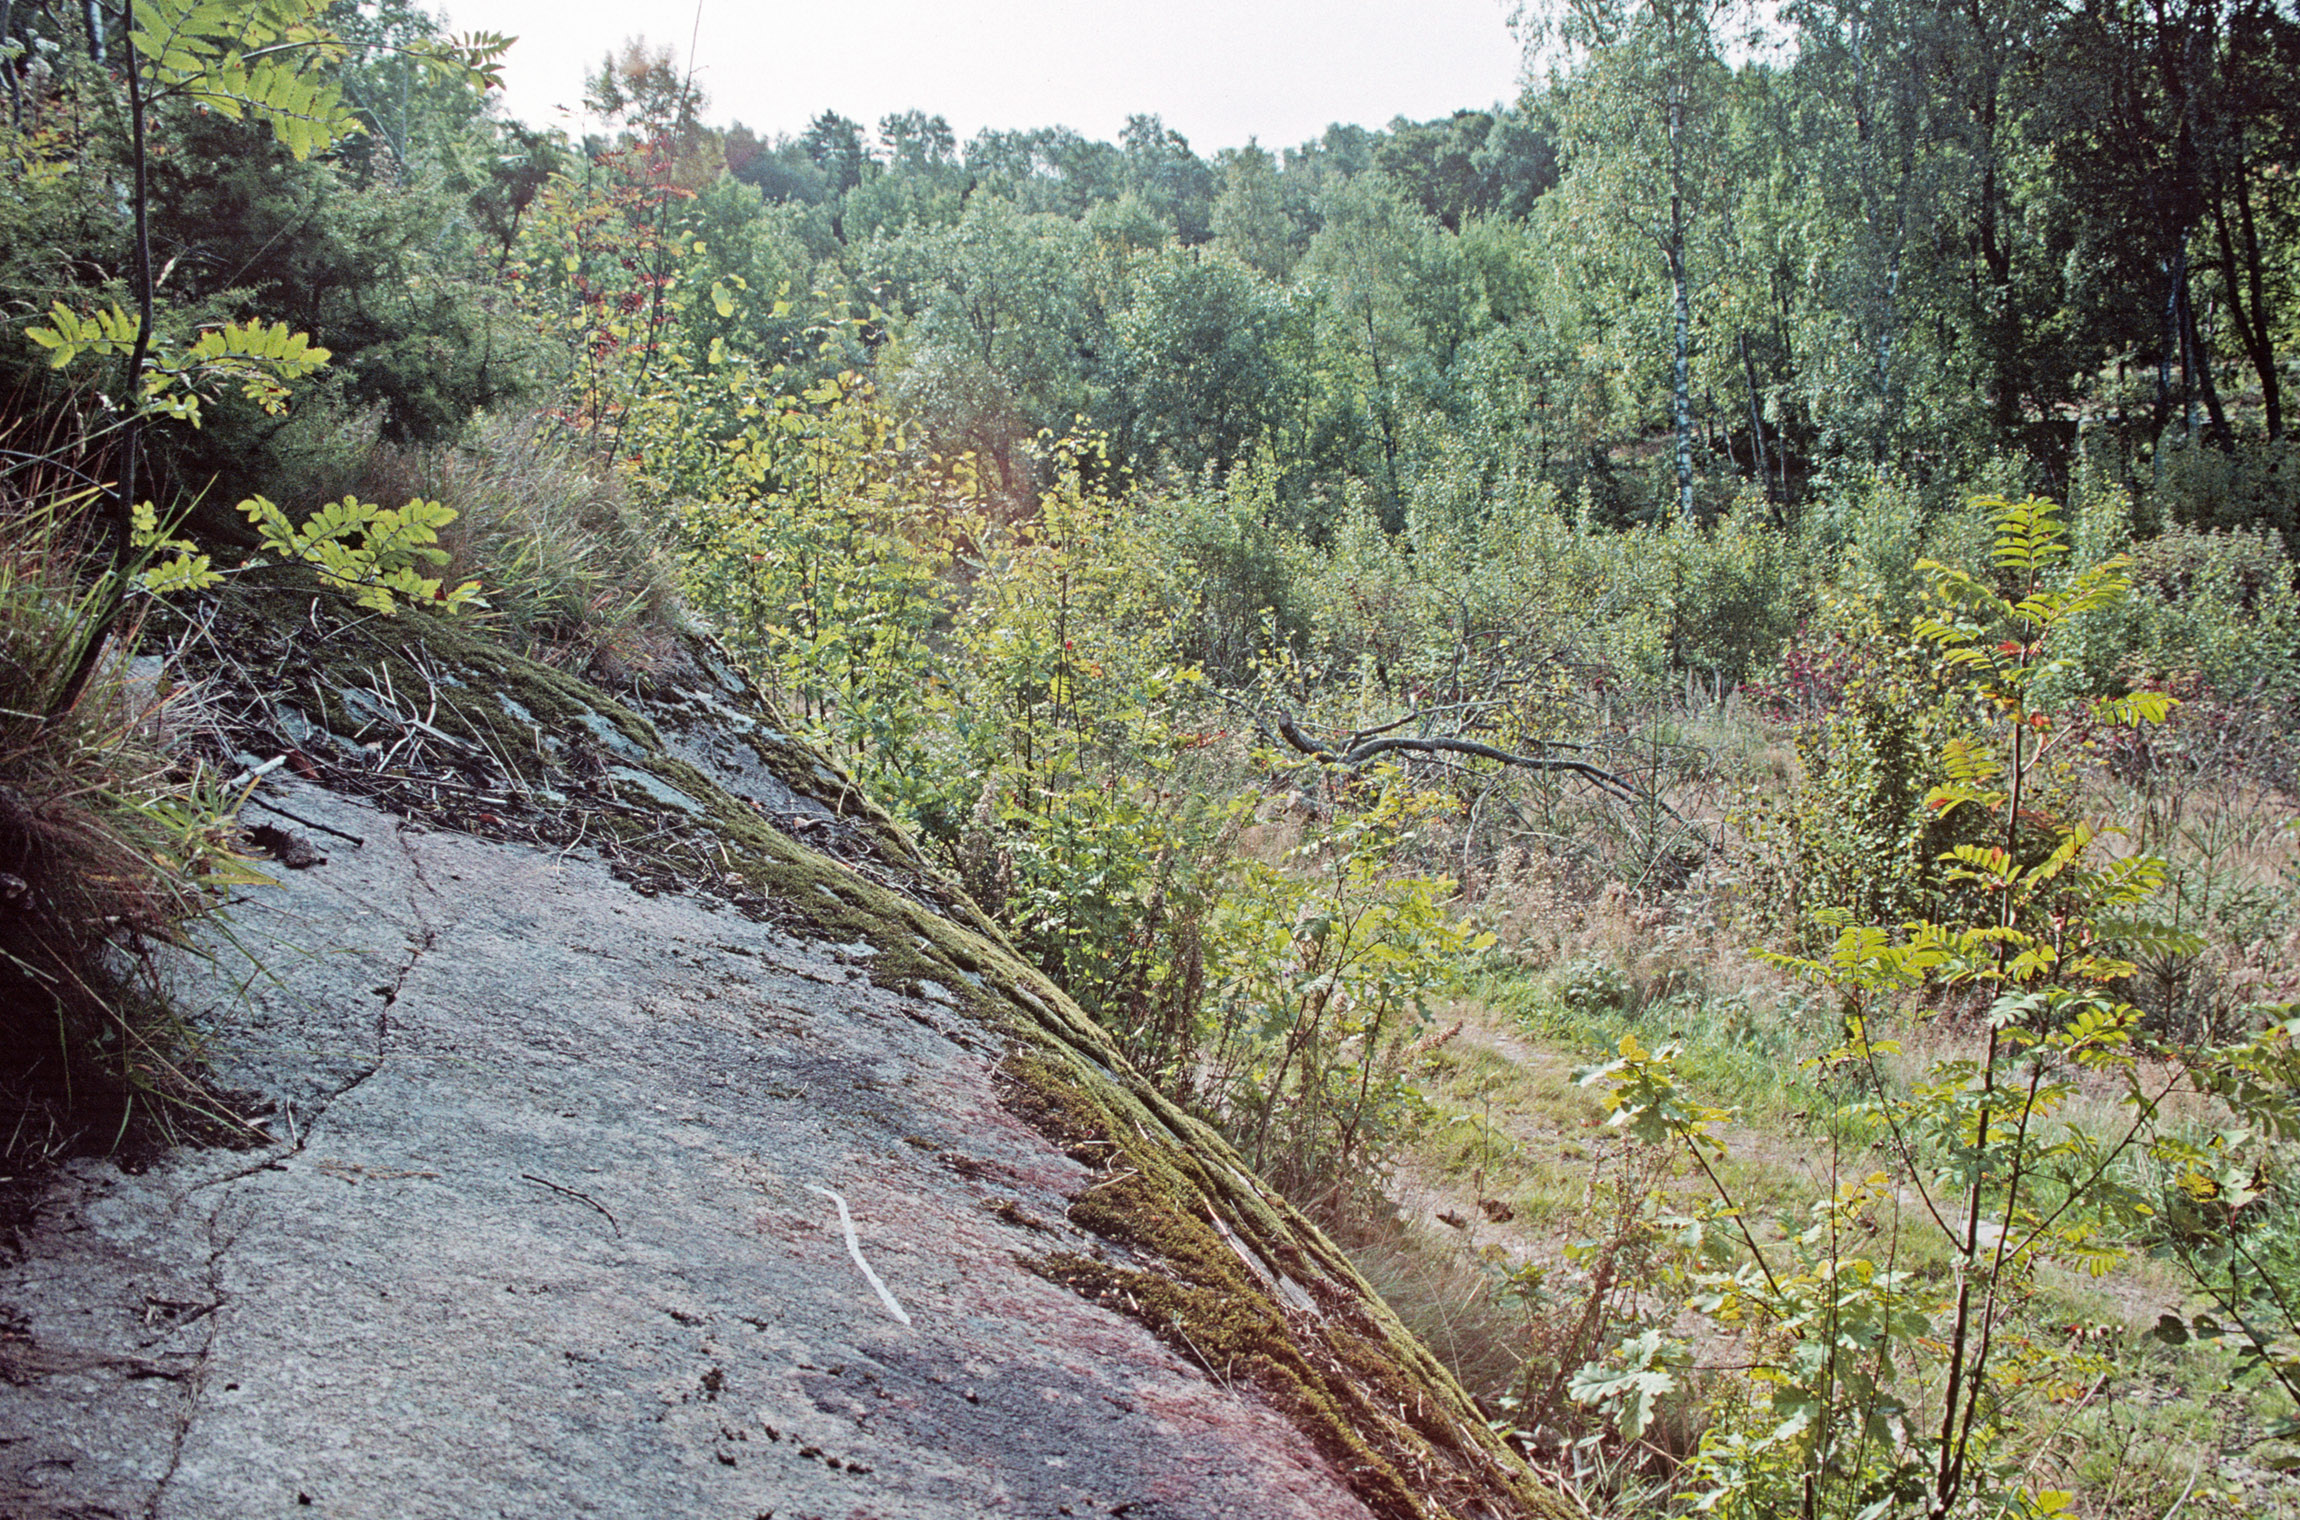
x=1640, y=127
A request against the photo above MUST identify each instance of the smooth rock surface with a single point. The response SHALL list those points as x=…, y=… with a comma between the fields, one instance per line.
x=540, y=1236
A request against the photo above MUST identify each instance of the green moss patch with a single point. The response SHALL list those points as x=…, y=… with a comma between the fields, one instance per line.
x=1207, y=1281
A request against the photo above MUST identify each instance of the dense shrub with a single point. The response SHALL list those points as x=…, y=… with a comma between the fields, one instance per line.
x=1856, y=830
x=2250, y=487
x=2217, y=608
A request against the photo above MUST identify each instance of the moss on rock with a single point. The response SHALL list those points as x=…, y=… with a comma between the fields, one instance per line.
x=432, y=719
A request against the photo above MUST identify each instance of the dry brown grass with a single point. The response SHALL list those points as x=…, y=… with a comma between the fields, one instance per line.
x=2232, y=845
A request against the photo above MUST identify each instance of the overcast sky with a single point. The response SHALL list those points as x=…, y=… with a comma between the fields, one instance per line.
x=1218, y=71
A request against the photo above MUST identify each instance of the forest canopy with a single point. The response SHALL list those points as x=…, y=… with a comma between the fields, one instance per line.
x=1677, y=272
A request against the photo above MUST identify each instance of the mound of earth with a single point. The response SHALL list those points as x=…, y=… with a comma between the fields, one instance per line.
x=646, y=1129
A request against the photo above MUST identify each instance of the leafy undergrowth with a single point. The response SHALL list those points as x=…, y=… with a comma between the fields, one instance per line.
x=1970, y=1191
x=1528, y=1240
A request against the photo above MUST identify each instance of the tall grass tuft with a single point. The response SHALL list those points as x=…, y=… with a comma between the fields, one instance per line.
x=108, y=848
x=569, y=574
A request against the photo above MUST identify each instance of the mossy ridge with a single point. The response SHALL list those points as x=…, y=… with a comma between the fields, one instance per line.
x=1374, y=1401
x=461, y=676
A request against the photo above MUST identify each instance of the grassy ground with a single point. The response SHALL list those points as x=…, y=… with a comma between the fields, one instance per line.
x=1525, y=1242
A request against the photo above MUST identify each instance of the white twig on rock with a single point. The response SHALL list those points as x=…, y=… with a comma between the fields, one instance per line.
x=854, y=1249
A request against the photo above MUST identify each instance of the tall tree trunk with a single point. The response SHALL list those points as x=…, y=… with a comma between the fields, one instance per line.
x=1888, y=330
x=2176, y=315
x=2161, y=416
x=2248, y=297
x=2001, y=316
x=2196, y=363
x=1393, y=517
x=2175, y=52
x=1680, y=305
x=1786, y=348
x=1681, y=382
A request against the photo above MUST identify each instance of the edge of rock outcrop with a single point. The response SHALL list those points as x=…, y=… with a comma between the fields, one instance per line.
x=688, y=782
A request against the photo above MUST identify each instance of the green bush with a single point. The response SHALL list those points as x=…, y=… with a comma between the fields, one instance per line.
x=1856, y=831
x=2210, y=608
x=1319, y=979
x=2248, y=488
x=1593, y=985
x=1737, y=590
x=1079, y=727
x=1242, y=568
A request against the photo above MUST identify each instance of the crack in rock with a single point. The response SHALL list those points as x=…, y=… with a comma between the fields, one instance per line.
x=191, y=1378
x=194, y=1379
x=419, y=944
x=417, y=948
